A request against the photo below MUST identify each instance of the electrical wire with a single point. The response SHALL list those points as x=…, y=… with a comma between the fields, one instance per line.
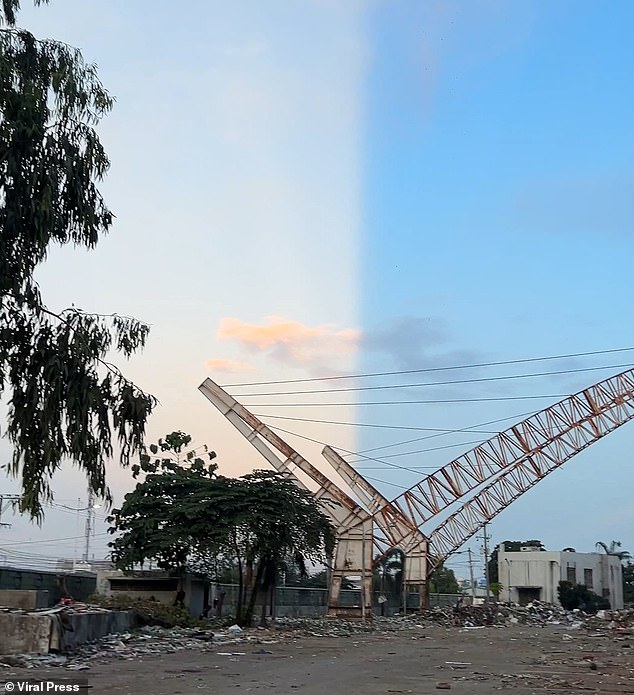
x=361, y=424
x=389, y=463
x=477, y=380
x=433, y=369
x=52, y=540
x=403, y=402
x=424, y=451
x=386, y=482
x=442, y=434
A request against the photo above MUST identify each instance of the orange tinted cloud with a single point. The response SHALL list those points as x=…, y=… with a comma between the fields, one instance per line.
x=228, y=366
x=291, y=341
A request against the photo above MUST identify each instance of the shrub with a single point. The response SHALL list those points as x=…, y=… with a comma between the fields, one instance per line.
x=578, y=596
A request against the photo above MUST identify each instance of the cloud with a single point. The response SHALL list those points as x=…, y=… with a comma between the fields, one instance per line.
x=228, y=366
x=291, y=342
x=406, y=339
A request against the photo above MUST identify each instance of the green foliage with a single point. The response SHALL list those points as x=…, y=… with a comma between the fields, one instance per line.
x=174, y=512
x=148, y=612
x=317, y=580
x=628, y=583
x=578, y=596
x=65, y=399
x=183, y=515
x=9, y=8
x=496, y=589
x=388, y=573
x=443, y=581
x=511, y=547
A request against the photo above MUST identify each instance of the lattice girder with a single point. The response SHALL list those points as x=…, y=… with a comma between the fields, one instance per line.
x=528, y=471
x=555, y=433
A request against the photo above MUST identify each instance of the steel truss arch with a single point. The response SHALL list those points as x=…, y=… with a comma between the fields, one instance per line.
x=549, y=437
x=600, y=409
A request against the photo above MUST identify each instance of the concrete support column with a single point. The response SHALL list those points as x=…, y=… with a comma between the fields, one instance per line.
x=353, y=558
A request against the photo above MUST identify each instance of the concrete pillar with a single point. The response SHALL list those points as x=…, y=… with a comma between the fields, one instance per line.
x=353, y=558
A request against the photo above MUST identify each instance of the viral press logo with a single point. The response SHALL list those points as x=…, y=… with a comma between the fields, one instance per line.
x=43, y=686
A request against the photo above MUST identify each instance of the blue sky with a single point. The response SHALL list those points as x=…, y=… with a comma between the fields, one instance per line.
x=499, y=220
x=351, y=187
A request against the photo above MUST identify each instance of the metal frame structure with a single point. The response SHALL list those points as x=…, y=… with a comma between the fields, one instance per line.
x=496, y=472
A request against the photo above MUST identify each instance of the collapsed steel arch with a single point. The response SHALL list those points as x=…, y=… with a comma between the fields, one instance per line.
x=496, y=471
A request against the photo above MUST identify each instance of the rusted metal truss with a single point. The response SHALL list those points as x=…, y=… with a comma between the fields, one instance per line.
x=356, y=535
x=573, y=425
x=495, y=472
x=391, y=528
x=531, y=447
x=339, y=505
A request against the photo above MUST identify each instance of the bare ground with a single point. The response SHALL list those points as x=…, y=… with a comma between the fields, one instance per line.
x=523, y=660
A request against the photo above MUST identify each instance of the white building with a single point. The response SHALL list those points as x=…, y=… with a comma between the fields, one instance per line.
x=532, y=574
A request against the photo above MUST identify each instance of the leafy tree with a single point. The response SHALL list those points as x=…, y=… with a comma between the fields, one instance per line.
x=183, y=515
x=573, y=596
x=511, y=547
x=175, y=506
x=496, y=589
x=66, y=400
x=613, y=549
x=628, y=583
x=278, y=520
x=387, y=577
x=388, y=573
x=443, y=581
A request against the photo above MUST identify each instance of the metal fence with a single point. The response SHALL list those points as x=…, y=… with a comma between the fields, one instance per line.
x=295, y=601
x=78, y=585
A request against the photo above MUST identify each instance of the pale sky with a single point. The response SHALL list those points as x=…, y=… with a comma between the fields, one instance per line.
x=336, y=187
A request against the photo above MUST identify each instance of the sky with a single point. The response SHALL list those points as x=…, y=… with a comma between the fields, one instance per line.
x=333, y=188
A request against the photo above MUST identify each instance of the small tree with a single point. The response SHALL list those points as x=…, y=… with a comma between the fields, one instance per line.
x=278, y=520
x=184, y=515
x=160, y=519
x=496, y=589
x=573, y=596
x=443, y=581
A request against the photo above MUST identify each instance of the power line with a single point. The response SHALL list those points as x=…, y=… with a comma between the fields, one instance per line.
x=508, y=377
x=386, y=482
x=424, y=451
x=433, y=369
x=363, y=455
x=340, y=448
x=361, y=424
x=441, y=434
x=403, y=402
x=50, y=540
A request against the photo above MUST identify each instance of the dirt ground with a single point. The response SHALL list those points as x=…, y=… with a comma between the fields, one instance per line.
x=419, y=660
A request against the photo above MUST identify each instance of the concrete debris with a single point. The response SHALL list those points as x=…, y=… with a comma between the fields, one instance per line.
x=234, y=641
x=535, y=613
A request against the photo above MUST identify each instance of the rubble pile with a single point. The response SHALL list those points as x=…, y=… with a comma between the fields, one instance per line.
x=533, y=614
x=146, y=641
x=621, y=621
x=234, y=641
x=321, y=627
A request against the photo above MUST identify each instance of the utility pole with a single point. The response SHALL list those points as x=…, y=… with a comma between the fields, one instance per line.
x=90, y=523
x=472, y=580
x=9, y=498
x=485, y=539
